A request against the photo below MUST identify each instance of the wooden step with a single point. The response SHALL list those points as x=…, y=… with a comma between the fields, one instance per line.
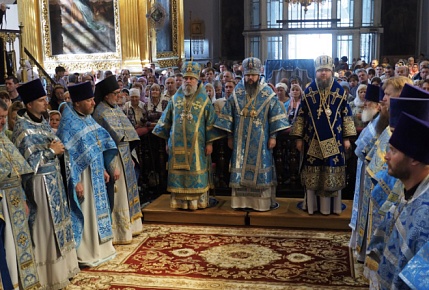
x=287, y=215
x=221, y=214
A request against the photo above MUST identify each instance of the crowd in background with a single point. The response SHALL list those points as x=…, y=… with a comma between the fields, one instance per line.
x=143, y=97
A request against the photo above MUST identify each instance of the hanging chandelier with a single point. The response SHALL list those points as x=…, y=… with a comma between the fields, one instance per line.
x=304, y=3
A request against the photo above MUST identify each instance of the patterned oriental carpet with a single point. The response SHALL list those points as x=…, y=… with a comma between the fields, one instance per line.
x=208, y=257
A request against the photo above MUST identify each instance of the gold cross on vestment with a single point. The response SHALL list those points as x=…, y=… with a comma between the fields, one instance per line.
x=265, y=93
x=335, y=95
x=182, y=116
x=179, y=104
x=15, y=201
x=239, y=91
x=257, y=122
x=306, y=138
x=311, y=94
x=22, y=240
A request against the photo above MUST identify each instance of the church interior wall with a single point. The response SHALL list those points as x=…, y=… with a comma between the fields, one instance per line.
x=137, y=50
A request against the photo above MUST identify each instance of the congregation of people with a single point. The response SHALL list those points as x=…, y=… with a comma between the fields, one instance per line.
x=77, y=163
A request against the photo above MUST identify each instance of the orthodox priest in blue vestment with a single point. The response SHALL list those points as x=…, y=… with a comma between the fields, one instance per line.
x=253, y=116
x=380, y=190
x=187, y=125
x=404, y=230
x=124, y=194
x=323, y=126
x=89, y=156
x=17, y=263
x=363, y=144
x=50, y=218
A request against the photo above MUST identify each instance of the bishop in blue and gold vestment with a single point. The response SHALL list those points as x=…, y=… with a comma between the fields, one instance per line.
x=253, y=116
x=323, y=126
x=187, y=124
x=50, y=218
x=17, y=263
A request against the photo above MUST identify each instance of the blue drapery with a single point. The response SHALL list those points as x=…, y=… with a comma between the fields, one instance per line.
x=289, y=65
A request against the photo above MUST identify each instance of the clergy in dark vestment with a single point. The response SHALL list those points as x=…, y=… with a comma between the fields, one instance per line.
x=323, y=127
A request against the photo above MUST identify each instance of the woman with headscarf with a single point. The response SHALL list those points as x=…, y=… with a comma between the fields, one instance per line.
x=296, y=96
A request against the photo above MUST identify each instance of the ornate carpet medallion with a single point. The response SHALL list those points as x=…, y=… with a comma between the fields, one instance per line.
x=240, y=256
x=198, y=257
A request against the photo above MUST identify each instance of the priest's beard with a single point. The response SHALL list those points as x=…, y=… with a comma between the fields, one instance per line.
x=251, y=87
x=189, y=90
x=400, y=170
x=383, y=122
x=368, y=114
x=324, y=84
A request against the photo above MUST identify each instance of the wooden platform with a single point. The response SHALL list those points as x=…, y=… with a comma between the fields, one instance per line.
x=287, y=215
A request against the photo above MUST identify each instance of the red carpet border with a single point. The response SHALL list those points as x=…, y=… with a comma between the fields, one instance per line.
x=208, y=257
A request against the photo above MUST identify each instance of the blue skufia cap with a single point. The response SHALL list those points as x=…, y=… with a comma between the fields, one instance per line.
x=372, y=93
x=409, y=137
x=81, y=92
x=410, y=91
x=418, y=108
x=31, y=91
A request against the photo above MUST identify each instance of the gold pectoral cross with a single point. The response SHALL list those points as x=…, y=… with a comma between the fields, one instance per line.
x=182, y=116
x=319, y=112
